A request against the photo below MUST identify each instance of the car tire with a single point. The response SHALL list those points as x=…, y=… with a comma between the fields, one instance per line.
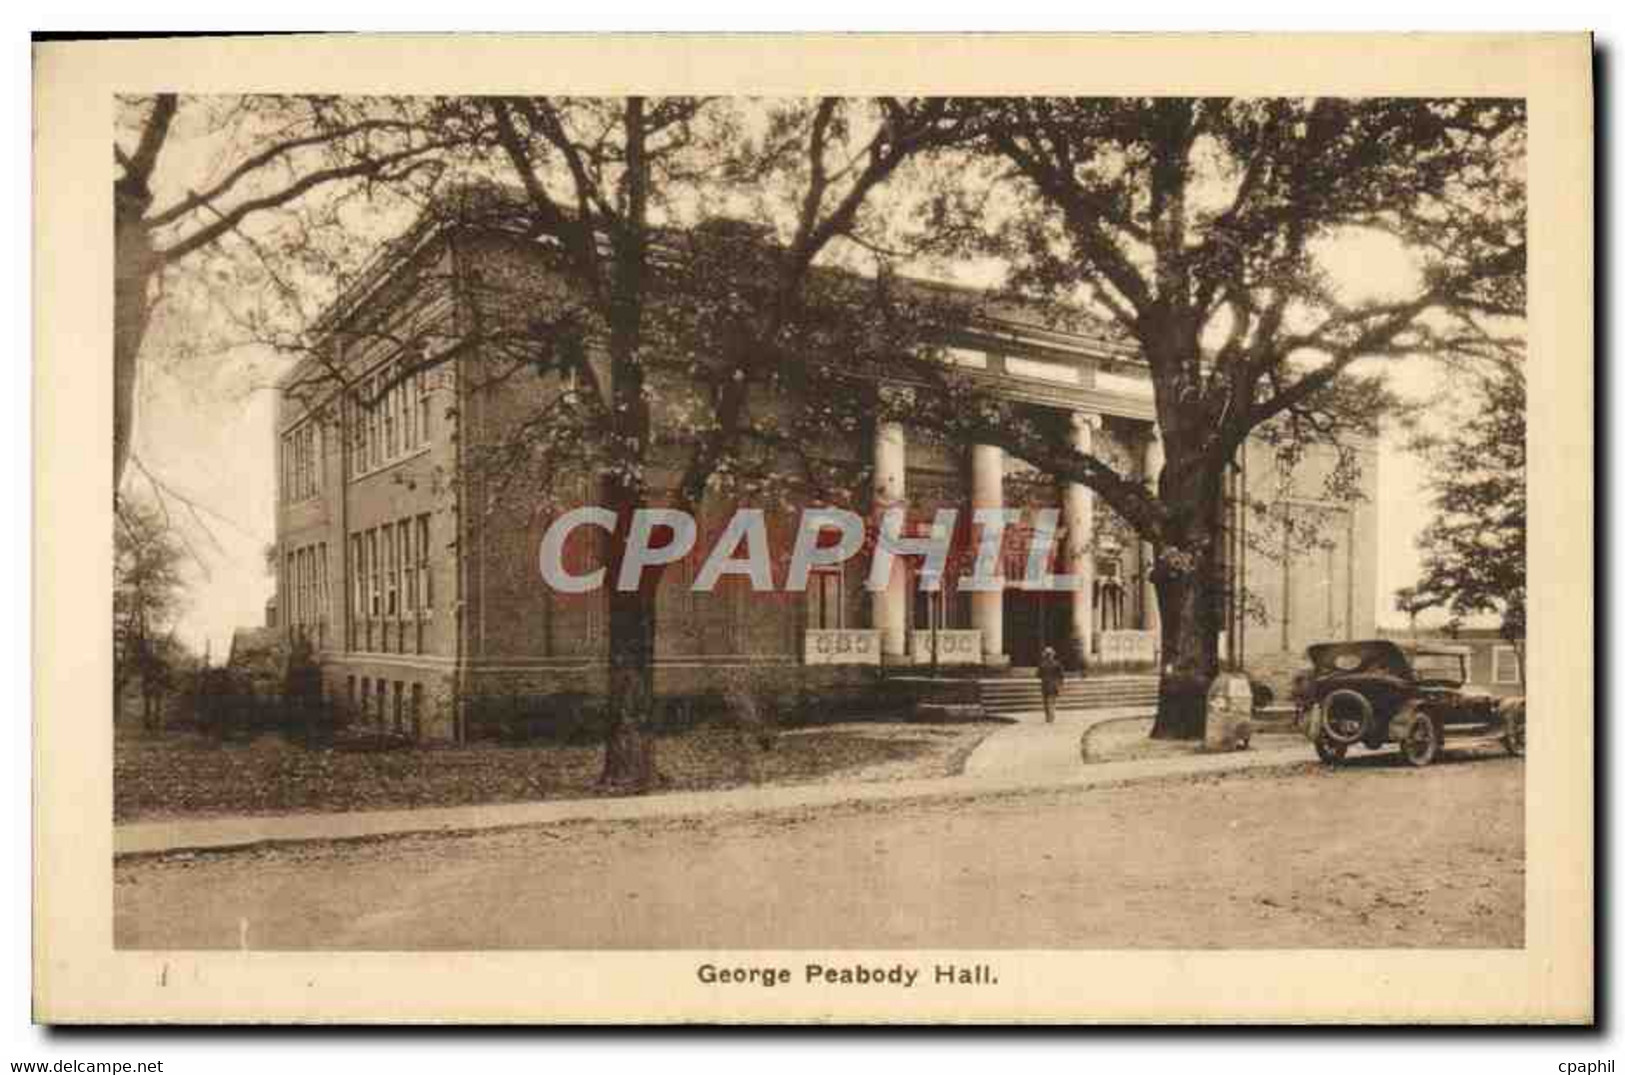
x=1421, y=743
x=1344, y=735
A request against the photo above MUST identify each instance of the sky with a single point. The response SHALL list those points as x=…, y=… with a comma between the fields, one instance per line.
x=204, y=437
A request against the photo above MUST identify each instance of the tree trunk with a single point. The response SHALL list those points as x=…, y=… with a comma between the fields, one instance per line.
x=629, y=760
x=1190, y=602
x=133, y=269
x=629, y=757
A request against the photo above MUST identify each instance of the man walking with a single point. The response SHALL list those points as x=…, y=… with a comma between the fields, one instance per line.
x=1050, y=677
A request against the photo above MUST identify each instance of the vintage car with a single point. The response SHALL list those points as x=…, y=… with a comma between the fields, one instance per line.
x=1377, y=692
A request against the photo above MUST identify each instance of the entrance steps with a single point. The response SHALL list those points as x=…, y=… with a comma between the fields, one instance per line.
x=1020, y=692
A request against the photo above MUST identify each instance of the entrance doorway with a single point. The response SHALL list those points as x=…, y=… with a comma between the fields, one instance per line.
x=1034, y=619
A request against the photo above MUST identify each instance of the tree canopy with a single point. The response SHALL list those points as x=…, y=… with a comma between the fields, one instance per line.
x=1474, y=550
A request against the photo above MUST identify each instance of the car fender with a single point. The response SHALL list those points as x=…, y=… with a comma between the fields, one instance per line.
x=1400, y=726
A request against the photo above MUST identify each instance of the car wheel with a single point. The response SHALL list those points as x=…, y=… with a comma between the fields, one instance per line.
x=1513, y=739
x=1421, y=743
x=1345, y=716
x=1331, y=753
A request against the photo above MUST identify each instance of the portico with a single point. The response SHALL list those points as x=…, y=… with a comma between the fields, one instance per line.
x=1012, y=622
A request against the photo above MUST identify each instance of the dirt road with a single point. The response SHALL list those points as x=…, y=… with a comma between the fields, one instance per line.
x=1371, y=855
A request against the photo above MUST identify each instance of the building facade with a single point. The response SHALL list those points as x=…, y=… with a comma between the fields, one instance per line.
x=416, y=581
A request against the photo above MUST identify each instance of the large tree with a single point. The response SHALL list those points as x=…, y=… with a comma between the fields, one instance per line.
x=1473, y=552
x=197, y=174
x=693, y=234
x=1206, y=229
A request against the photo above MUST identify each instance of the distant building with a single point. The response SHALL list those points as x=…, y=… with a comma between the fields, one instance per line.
x=420, y=592
x=1493, y=662
x=260, y=655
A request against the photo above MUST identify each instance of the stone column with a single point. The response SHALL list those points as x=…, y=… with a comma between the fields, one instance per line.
x=1078, y=516
x=1152, y=619
x=987, y=607
x=889, y=606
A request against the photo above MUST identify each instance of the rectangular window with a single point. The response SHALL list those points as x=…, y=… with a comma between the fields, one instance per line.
x=423, y=407
x=417, y=711
x=324, y=610
x=372, y=423
x=409, y=567
x=392, y=568
x=400, y=707
x=373, y=588
x=358, y=604
x=409, y=412
x=425, y=576
x=298, y=467
x=358, y=437
x=390, y=403
x=1506, y=665
x=301, y=463
x=349, y=691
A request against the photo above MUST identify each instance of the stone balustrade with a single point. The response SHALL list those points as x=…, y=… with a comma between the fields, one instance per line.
x=841, y=646
x=953, y=646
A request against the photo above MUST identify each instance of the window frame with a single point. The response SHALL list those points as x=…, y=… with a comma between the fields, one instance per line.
x=392, y=605
x=1508, y=653
x=426, y=605
x=374, y=594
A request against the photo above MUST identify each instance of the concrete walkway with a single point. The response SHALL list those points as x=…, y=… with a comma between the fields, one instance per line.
x=1034, y=750
x=1043, y=772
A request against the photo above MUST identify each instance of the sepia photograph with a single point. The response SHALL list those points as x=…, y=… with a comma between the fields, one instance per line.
x=844, y=541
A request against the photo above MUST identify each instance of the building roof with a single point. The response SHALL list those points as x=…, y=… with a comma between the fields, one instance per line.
x=501, y=207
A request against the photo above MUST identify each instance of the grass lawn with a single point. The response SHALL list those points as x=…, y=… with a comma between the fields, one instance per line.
x=181, y=774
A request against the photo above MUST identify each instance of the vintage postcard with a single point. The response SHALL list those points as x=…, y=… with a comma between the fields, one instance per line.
x=814, y=529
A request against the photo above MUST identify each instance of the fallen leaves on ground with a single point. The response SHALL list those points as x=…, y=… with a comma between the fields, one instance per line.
x=187, y=775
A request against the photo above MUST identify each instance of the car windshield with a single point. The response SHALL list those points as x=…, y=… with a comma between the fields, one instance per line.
x=1445, y=666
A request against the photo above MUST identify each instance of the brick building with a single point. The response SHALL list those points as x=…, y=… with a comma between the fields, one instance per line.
x=419, y=588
